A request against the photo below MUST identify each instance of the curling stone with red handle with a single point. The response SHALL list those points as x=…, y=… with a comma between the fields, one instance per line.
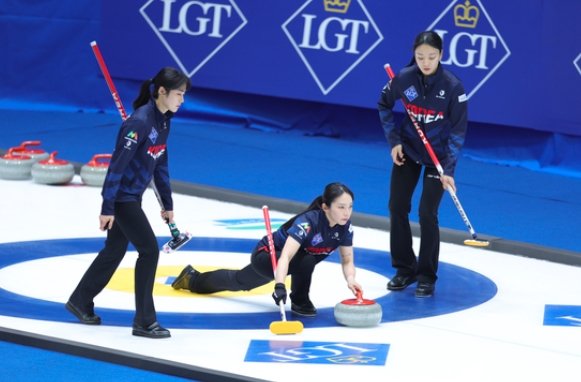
x=53, y=171
x=358, y=312
x=15, y=166
x=31, y=149
x=94, y=172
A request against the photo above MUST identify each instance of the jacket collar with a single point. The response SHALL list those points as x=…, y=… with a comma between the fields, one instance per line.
x=430, y=80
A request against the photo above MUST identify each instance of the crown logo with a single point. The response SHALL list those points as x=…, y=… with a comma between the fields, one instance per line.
x=466, y=15
x=337, y=6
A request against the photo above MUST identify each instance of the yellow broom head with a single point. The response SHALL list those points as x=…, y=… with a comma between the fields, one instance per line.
x=476, y=243
x=286, y=327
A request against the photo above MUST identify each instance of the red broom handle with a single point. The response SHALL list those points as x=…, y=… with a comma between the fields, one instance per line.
x=270, y=240
x=109, y=80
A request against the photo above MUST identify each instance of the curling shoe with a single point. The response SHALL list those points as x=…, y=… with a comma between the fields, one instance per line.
x=152, y=331
x=400, y=282
x=183, y=280
x=425, y=289
x=83, y=317
x=307, y=309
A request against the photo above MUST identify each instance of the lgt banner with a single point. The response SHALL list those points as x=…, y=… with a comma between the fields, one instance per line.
x=333, y=51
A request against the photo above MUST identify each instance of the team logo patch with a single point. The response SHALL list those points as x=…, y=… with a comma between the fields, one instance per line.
x=411, y=93
x=153, y=135
x=317, y=239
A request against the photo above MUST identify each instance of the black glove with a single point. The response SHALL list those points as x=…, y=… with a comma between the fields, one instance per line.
x=279, y=293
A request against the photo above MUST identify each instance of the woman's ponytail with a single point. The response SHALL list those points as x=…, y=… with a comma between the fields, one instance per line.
x=144, y=94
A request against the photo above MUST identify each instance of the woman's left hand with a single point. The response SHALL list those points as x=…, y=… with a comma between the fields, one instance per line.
x=167, y=216
x=448, y=183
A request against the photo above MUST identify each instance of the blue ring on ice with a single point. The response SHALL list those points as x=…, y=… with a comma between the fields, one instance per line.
x=457, y=288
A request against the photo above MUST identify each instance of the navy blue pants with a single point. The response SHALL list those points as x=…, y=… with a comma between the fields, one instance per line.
x=259, y=272
x=130, y=225
x=404, y=180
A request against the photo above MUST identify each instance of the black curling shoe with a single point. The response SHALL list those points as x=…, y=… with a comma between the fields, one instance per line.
x=85, y=318
x=183, y=280
x=425, y=289
x=307, y=309
x=400, y=282
x=152, y=331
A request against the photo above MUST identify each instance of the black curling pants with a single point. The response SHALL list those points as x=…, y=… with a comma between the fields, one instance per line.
x=404, y=180
x=259, y=272
x=131, y=225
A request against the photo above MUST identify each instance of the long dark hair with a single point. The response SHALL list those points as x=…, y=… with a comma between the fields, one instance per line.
x=332, y=192
x=168, y=78
x=430, y=38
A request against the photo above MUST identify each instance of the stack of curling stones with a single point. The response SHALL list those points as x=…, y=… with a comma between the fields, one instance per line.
x=17, y=163
x=52, y=170
x=94, y=172
x=358, y=312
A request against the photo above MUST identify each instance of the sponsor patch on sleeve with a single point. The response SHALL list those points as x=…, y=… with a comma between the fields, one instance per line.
x=130, y=139
x=303, y=229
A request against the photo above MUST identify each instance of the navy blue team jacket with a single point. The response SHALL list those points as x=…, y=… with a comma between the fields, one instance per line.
x=311, y=229
x=438, y=103
x=140, y=154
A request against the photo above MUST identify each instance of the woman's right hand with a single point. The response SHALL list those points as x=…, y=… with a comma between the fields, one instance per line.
x=397, y=155
x=106, y=222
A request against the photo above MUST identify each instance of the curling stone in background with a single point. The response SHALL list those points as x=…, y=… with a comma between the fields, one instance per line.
x=52, y=170
x=15, y=166
x=94, y=172
x=358, y=312
x=31, y=149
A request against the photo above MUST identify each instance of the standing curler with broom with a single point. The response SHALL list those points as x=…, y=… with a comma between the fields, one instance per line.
x=140, y=156
x=426, y=144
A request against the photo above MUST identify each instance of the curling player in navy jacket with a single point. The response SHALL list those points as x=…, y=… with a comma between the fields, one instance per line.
x=436, y=99
x=140, y=156
x=300, y=244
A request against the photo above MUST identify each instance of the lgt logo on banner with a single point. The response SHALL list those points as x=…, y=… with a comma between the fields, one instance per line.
x=472, y=44
x=193, y=31
x=577, y=63
x=332, y=37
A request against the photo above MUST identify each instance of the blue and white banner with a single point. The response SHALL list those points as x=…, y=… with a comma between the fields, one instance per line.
x=333, y=51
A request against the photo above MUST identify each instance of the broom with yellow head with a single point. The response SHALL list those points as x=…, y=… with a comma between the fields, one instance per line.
x=283, y=326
